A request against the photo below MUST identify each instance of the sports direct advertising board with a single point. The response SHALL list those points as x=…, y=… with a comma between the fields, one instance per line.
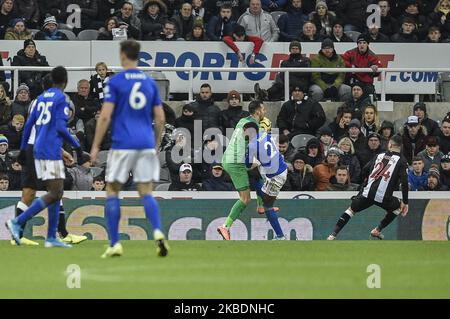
x=217, y=54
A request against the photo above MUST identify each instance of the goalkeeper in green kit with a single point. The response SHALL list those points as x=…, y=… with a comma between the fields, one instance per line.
x=233, y=162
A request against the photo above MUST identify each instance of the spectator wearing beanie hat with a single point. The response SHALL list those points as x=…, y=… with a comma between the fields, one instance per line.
x=445, y=170
x=323, y=19
x=358, y=100
x=29, y=56
x=420, y=110
x=18, y=30
x=434, y=181
x=292, y=21
x=50, y=31
x=338, y=34
x=231, y=116
x=313, y=152
x=301, y=177
x=328, y=85
x=302, y=80
x=355, y=134
x=362, y=57
x=444, y=135
x=22, y=101
x=82, y=174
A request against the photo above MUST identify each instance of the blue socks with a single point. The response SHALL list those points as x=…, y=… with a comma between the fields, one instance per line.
x=273, y=220
x=152, y=211
x=112, y=213
x=32, y=211
x=53, y=219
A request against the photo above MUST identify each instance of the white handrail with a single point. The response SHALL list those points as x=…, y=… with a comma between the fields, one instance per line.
x=383, y=72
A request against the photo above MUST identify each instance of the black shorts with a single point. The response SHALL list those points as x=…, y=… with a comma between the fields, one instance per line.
x=360, y=203
x=28, y=177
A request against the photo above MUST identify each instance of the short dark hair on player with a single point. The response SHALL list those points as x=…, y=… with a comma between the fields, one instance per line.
x=47, y=82
x=131, y=49
x=417, y=159
x=283, y=139
x=59, y=75
x=396, y=140
x=253, y=106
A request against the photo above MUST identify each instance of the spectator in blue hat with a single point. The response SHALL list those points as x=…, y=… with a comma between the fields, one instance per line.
x=18, y=30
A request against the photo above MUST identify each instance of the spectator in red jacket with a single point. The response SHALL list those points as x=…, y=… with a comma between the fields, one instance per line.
x=362, y=57
x=239, y=35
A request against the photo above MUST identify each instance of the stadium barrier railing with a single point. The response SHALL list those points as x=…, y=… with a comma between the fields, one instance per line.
x=382, y=71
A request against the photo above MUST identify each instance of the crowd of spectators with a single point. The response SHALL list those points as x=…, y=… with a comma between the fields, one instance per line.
x=210, y=20
x=339, y=148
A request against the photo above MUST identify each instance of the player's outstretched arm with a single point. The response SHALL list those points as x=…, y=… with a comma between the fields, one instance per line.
x=102, y=126
x=160, y=121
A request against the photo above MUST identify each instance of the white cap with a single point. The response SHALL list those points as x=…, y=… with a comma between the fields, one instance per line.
x=185, y=167
x=413, y=120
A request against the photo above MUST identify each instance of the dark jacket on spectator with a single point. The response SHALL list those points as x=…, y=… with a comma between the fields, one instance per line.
x=32, y=79
x=169, y=113
x=184, y=26
x=444, y=142
x=178, y=186
x=216, y=184
x=353, y=12
x=435, y=20
x=301, y=117
x=134, y=25
x=379, y=38
x=237, y=8
x=401, y=37
x=338, y=131
x=217, y=28
x=89, y=129
x=360, y=143
x=352, y=163
x=344, y=38
x=409, y=151
x=152, y=27
x=302, y=80
x=421, y=24
x=431, y=125
x=85, y=108
x=107, y=9
x=367, y=154
x=5, y=19
x=20, y=108
x=303, y=38
x=45, y=35
x=300, y=180
x=89, y=12
x=290, y=23
x=5, y=111
x=56, y=8
x=389, y=25
x=445, y=178
x=187, y=122
x=14, y=137
x=231, y=116
x=357, y=106
x=208, y=112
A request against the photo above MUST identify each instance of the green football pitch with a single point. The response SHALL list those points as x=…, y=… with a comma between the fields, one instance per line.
x=236, y=269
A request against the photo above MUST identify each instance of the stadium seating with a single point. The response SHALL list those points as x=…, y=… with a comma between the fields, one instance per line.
x=276, y=15
x=70, y=35
x=88, y=35
x=162, y=187
x=353, y=34
x=300, y=141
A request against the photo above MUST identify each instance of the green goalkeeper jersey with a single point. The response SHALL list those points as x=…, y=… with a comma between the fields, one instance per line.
x=235, y=152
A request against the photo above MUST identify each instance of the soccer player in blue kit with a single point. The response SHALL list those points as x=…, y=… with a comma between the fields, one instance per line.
x=263, y=153
x=131, y=104
x=49, y=117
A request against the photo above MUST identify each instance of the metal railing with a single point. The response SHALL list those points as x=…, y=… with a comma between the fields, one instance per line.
x=382, y=71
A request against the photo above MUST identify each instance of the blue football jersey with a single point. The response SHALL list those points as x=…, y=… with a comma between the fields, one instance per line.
x=49, y=117
x=264, y=149
x=134, y=95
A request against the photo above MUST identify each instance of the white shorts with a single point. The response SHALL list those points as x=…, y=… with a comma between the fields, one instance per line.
x=272, y=186
x=49, y=169
x=143, y=163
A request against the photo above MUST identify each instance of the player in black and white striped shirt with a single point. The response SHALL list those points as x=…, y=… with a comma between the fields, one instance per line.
x=383, y=175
